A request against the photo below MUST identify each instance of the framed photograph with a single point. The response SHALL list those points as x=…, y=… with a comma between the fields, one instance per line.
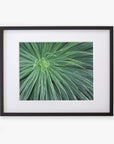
x=56, y=71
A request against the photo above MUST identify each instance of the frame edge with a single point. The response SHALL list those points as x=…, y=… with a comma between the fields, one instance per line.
x=111, y=71
x=1, y=71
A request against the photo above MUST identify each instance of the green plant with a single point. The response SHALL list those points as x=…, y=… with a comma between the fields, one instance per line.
x=56, y=71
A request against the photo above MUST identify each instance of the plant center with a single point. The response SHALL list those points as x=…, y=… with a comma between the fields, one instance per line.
x=43, y=64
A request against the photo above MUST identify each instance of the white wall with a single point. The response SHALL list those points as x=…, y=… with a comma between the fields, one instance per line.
x=57, y=130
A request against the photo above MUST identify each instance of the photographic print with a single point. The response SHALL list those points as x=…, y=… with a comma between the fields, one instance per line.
x=56, y=70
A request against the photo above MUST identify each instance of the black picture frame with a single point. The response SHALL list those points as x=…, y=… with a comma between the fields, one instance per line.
x=110, y=28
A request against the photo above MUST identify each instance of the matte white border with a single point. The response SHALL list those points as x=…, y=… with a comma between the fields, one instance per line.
x=100, y=39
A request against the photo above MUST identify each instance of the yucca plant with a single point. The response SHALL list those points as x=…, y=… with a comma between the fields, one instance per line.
x=56, y=71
